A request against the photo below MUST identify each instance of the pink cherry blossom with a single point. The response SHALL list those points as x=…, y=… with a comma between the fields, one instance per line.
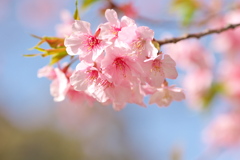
x=48, y=72
x=59, y=86
x=159, y=68
x=81, y=42
x=84, y=76
x=139, y=40
x=118, y=66
x=165, y=95
x=113, y=26
x=80, y=97
x=106, y=92
x=118, y=95
x=137, y=94
x=65, y=29
x=224, y=130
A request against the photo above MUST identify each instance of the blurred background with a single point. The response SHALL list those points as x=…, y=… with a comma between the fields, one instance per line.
x=33, y=126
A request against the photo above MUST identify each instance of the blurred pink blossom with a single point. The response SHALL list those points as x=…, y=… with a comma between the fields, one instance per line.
x=228, y=42
x=190, y=55
x=223, y=131
x=65, y=29
x=37, y=13
x=129, y=10
x=196, y=85
x=229, y=75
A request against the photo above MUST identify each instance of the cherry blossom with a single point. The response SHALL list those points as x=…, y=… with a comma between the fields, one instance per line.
x=60, y=86
x=118, y=65
x=86, y=74
x=139, y=39
x=81, y=42
x=113, y=26
x=166, y=94
x=159, y=68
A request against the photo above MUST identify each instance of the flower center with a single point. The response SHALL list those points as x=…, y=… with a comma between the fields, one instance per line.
x=92, y=42
x=138, y=45
x=115, y=30
x=156, y=65
x=92, y=75
x=166, y=98
x=120, y=65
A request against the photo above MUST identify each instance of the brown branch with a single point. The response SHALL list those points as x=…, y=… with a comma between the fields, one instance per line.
x=197, y=35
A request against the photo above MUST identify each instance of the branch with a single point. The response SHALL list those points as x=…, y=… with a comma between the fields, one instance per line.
x=198, y=35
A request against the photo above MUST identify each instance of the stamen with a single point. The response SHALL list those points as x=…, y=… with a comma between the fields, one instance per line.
x=120, y=65
x=92, y=75
x=91, y=42
x=156, y=67
x=138, y=45
x=115, y=30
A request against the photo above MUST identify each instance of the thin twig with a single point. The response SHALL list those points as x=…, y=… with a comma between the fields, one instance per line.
x=197, y=35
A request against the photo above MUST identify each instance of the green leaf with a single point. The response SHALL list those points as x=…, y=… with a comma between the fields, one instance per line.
x=57, y=57
x=87, y=3
x=186, y=8
x=54, y=51
x=54, y=42
x=76, y=13
x=32, y=55
x=215, y=89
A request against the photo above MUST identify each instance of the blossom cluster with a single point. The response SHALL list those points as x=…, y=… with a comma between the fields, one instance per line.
x=119, y=64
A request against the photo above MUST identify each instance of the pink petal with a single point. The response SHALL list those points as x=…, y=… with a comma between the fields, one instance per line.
x=112, y=17
x=81, y=26
x=126, y=21
x=169, y=67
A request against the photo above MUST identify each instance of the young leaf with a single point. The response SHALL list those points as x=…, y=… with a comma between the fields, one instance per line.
x=32, y=55
x=87, y=3
x=57, y=57
x=76, y=13
x=215, y=89
x=54, y=42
